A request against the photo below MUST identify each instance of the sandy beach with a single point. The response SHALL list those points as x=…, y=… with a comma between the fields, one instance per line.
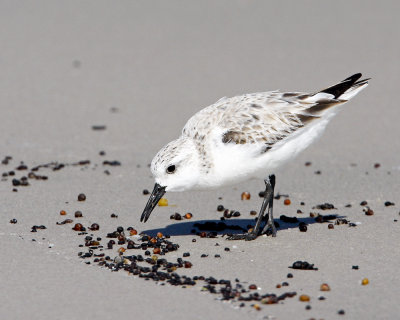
x=90, y=91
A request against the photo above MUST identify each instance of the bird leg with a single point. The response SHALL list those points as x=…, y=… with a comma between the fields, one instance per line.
x=269, y=228
x=267, y=202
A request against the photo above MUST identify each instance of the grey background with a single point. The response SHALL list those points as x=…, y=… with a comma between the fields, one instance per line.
x=65, y=64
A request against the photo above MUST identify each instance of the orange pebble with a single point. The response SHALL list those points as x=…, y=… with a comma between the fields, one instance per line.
x=78, y=227
x=364, y=281
x=188, y=215
x=122, y=249
x=63, y=213
x=153, y=240
x=325, y=287
x=245, y=196
x=257, y=307
x=159, y=235
x=133, y=232
x=304, y=298
x=157, y=251
x=287, y=202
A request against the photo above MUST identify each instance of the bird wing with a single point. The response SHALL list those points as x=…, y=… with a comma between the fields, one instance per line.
x=263, y=119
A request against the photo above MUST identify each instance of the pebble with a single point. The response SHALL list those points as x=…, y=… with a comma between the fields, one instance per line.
x=304, y=298
x=302, y=227
x=364, y=281
x=78, y=214
x=303, y=265
x=78, y=227
x=63, y=213
x=94, y=227
x=368, y=211
x=13, y=221
x=236, y=214
x=324, y=206
x=99, y=127
x=81, y=197
x=325, y=287
x=287, y=202
x=220, y=208
x=257, y=307
x=163, y=202
x=245, y=196
x=146, y=192
x=388, y=203
x=330, y=226
x=188, y=215
x=176, y=216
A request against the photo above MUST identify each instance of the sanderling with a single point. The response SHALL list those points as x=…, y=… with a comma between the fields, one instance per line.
x=245, y=137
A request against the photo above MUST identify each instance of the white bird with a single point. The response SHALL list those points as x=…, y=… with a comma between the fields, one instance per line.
x=244, y=137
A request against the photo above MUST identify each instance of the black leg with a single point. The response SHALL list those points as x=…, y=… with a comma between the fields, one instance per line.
x=267, y=202
x=269, y=228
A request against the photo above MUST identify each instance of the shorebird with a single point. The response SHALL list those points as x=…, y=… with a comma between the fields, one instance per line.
x=244, y=137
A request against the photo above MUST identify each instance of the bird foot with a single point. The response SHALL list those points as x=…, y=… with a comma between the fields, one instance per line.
x=269, y=229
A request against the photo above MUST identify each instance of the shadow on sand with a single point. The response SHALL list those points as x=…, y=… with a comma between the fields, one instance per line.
x=233, y=226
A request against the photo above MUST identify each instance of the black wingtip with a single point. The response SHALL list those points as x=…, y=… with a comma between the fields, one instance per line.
x=354, y=77
x=338, y=89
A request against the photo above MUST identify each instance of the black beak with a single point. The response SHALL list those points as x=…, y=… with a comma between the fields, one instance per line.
x=155, y=196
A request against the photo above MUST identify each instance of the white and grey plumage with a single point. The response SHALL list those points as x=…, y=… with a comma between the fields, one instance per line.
x=247, y=136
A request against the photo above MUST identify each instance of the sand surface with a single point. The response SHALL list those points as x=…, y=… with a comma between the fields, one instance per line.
x=142, y=69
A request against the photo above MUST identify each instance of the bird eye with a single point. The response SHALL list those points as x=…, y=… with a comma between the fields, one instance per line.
x=171, y=169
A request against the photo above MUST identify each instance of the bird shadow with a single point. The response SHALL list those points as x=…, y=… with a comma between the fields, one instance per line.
x=231, y=226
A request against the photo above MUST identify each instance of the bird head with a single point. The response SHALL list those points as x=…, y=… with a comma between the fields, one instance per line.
x=175, y=168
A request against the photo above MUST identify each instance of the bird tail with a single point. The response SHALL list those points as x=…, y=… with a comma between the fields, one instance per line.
x=348, y=88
